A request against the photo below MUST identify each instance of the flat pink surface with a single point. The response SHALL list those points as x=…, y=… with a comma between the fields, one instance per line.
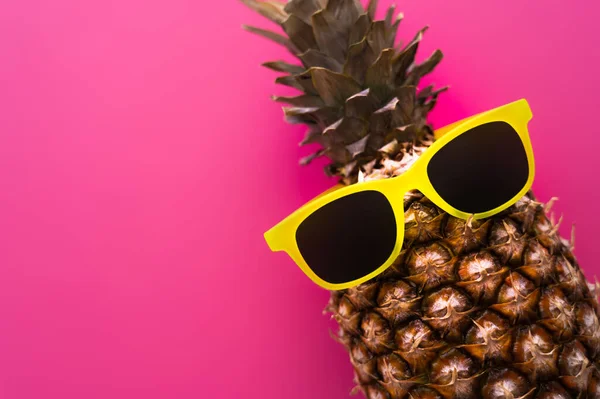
x=141, y=159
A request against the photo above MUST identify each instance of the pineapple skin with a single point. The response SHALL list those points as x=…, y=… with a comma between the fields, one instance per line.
x=495, y=308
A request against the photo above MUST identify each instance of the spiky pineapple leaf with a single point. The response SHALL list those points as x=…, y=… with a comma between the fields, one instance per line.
x=313, y=135
x=311, y=115
x=272, y=10
x=360, y=29
x=304, y=101
x=315, y=58
x=377, y=37
x=415, y=74
x=360, y=105
x=393, y=30
x=275, y=37
x=360, y=57
x=338, y=154
x=302, y=82
x=403, y=134
x=358, y=147
x=426, y=92
x=344, y=12
x=427, y=103
x=372, y=8
x=379, y=76
x=282, y=66
x=307, y=82
x=405, y=107
x=333, y=127
x=308, y=159
x=333, y=88
x=381, y=119
x=353, y=129
x=351, y=79
x=347, y=130
x=296, y=115
x=390, y=15
x=329, y=38
x=289, y=81
x=405, y=58
x=349, y=168
x=304, y=9
x=300, y=33
x=429, y=93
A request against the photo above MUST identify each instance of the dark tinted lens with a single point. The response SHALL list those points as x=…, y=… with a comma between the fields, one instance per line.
x=348, y=238
x=481, y=169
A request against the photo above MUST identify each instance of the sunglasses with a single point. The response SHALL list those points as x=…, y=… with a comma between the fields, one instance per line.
x=477, y=167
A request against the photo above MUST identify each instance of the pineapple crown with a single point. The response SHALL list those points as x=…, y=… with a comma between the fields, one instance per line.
x=359, y=95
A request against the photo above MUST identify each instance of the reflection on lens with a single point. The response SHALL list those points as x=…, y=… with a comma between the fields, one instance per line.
x=349, y=237
x=481, y=169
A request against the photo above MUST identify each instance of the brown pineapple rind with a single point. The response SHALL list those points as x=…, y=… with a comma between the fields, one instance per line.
x=490, y=325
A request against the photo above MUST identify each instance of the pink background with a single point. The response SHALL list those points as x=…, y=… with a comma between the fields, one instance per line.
x=141, y=159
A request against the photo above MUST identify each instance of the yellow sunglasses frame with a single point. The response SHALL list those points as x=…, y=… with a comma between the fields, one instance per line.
x=282, y=237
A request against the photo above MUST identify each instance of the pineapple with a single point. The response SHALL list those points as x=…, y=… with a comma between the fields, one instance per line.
x=493, y=308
